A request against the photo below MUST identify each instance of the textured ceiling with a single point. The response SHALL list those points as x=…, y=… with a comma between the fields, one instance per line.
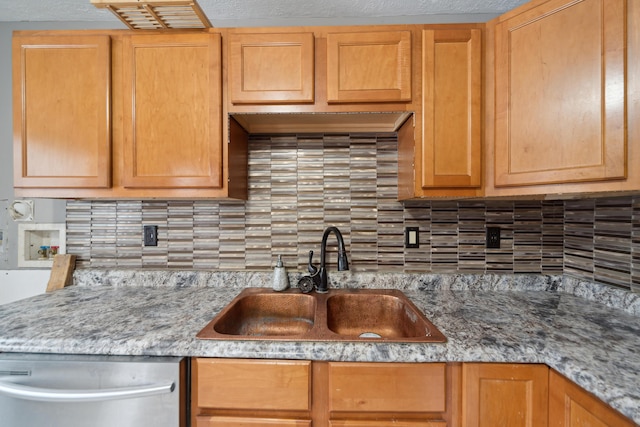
x=228, y=13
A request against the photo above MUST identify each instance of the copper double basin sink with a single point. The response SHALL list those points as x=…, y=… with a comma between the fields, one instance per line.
x=385, y=315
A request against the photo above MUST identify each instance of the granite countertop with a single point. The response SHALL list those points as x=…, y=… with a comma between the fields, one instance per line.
x=485, y=319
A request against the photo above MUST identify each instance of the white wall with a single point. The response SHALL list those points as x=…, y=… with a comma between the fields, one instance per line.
x=19, y=284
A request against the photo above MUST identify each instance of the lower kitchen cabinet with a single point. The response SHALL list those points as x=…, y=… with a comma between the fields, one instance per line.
x=234, y=392
x=500, y=394
x=267, y=393
x=571, y=406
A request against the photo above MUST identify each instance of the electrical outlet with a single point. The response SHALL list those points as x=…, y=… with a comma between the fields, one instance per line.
x=150, y=235
x=493, y=237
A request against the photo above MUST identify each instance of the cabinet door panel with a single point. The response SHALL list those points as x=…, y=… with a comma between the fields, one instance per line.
x=452, y=121
x=504, y=395
x=560, y=94
x=570, y=406
x=254, y=384
x=398, y=388
x=172, y=113
x=369, y=67
x=271, y=68
x=61, y=97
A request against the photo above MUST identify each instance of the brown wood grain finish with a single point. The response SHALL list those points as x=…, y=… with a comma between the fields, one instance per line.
x=555, y=93
x=504, y=395
x=271, y=68
x=452, y=120
x=560, y=94
x=61, y=272
x=61, y=96
x=222, y=421
x=394, y=423
x=571, y=406
x=369, y=66
x=254, y=384
x=397, y=388
x=172, y=111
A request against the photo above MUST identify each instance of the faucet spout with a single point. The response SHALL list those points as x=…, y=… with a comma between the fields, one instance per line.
x=343, y=263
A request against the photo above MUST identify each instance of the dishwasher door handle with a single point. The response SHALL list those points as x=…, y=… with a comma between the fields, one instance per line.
x=25, y=392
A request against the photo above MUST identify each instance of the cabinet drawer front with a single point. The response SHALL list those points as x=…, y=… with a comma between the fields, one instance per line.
x=249, y=422
x=253, y=384
x=394, y=423
x=382, y=387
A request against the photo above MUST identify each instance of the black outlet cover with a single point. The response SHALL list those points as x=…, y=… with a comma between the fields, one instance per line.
x=493, y=237
x=150, y=235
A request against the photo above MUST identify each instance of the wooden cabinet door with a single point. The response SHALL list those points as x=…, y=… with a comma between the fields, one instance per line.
x=571, y=406
x=172, y=111
x=369, y=66
x=451, y=117
x=495, y=394
x=560, y=94
x=61, y=123
x=271, y=68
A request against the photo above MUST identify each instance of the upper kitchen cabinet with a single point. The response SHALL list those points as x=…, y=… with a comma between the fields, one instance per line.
x=561, y=98
x=293, y=74
x=124, y=115
x=172, y=111
x=448, y=161
x=369, y=66
x=61, y=123
x=268, y=68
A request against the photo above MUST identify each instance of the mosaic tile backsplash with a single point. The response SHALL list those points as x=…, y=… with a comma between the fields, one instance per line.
x=300, y=184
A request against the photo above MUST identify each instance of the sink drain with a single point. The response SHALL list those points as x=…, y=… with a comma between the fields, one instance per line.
x=370, y=335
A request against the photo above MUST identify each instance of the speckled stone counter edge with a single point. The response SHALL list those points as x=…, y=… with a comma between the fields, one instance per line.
x=591, y=291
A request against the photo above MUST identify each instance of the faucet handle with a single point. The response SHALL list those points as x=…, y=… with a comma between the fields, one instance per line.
x=311, y=268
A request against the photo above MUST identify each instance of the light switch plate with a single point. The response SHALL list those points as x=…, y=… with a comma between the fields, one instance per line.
x=412, y=237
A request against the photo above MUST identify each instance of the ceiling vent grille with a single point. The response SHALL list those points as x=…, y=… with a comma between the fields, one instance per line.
x=157, y=14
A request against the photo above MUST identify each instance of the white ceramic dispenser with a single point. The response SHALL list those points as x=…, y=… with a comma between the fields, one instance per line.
x=280, y=277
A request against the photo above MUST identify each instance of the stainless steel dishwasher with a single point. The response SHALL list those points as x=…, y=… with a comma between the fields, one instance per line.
x=45, y=390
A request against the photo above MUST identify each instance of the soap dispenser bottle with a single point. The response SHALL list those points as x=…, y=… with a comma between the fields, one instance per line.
x=280, y=277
